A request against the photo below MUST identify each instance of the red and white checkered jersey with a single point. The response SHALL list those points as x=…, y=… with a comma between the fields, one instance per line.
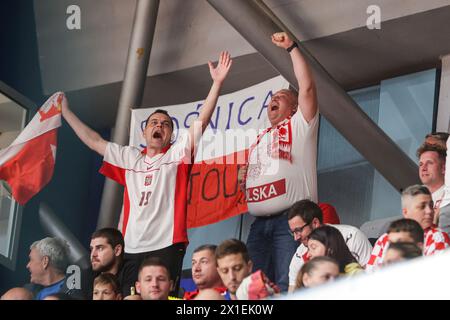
x=357, y=243
x=155, y=195
x=379, y=249
x=435, y=240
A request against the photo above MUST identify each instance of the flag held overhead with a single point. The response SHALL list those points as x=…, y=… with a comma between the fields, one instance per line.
x=28, y=163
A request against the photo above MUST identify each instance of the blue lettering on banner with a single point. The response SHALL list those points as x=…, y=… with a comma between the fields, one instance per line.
x=211, y=123
x=265, y=104
x=143, y=125
x=214, y=122
x=240, y=111
x=176, y=128
x=230, y=105
x=191, y=113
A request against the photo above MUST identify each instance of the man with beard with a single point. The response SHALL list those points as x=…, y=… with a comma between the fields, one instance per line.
x=156, y=178
x=107, y=253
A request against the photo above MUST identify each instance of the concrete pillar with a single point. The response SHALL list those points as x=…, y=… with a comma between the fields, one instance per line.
x=54, y=227
x=130, y=96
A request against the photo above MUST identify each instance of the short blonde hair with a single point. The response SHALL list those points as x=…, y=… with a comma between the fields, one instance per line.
x=108, y=278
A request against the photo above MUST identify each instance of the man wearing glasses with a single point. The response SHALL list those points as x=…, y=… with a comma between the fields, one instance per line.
x=305, y=216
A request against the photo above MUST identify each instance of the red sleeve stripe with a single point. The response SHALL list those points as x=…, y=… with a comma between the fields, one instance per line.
x=180, y=207
x=113, y=172
x=126, y=210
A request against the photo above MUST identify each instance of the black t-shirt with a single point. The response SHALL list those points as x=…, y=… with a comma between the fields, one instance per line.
x=127, y=276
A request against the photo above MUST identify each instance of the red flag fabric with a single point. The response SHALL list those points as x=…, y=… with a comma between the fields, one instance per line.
x=27, y=164
x=256, y=287
x=214, y=193
x=330, y=215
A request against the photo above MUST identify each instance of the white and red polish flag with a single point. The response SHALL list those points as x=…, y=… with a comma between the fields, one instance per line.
x=27, y=164
x=213, y=192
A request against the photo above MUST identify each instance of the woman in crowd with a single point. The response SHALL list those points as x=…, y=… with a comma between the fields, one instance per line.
x=328, y=241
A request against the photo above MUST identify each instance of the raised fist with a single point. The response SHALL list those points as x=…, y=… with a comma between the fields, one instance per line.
x=281, y=39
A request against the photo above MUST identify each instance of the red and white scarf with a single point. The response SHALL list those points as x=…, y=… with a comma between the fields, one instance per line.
x=281, y=145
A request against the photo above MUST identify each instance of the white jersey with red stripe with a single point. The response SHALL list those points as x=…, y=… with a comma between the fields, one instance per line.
x=379, y=249
x=155, y=195
x=434, y=241
x=274, y=184
x=299, y=258
x=356, y=241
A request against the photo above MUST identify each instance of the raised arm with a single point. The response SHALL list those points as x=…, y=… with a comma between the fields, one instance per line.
x=307, y=97
x=218, y=75
x=89, y=137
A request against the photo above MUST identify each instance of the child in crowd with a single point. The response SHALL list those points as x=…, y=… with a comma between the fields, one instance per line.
x=317, y=271
x=401, y=251
x=106, y=287
x=406, y=230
